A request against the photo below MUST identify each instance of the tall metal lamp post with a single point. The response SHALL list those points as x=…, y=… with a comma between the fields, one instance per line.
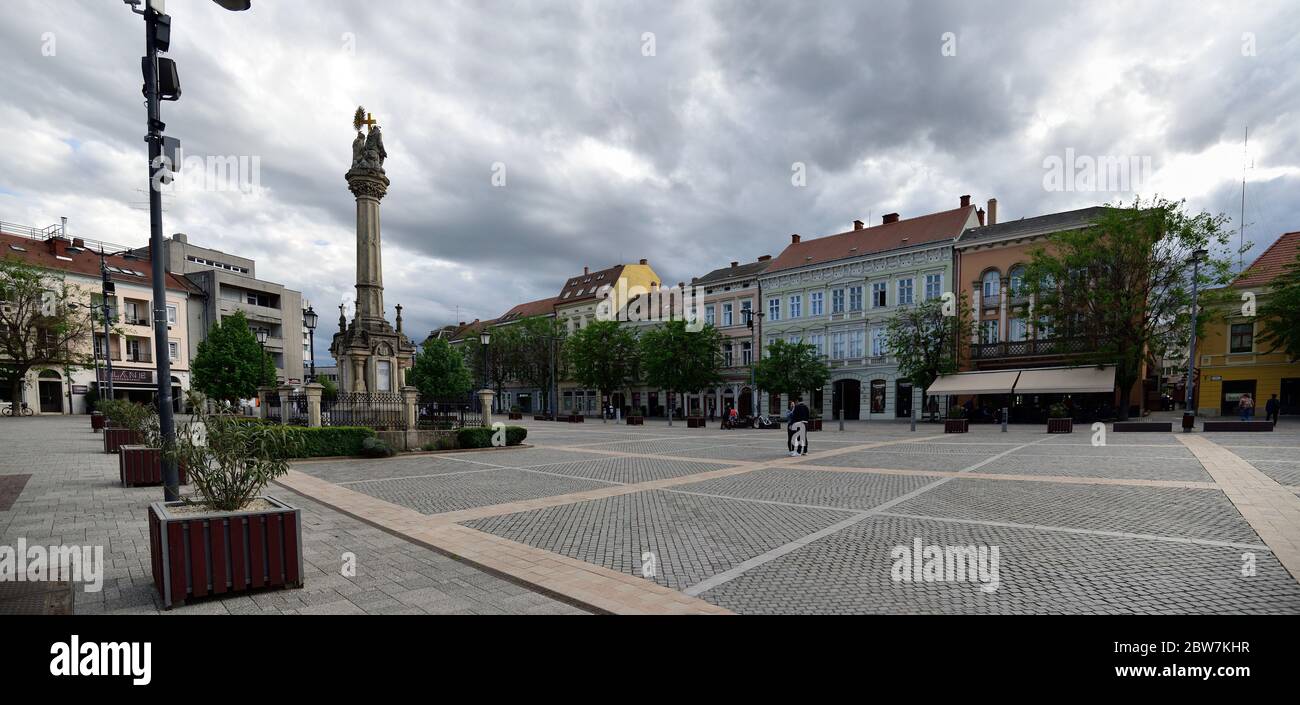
x=1189, y=414
x=262, y=335
x=161, y=82
x=485, y=339
x=309, y=319
x=754, y=332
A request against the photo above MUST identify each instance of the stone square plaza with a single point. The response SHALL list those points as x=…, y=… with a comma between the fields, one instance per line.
x=608, y=518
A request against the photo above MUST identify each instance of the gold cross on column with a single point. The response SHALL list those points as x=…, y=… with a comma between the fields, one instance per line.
x=370, y=121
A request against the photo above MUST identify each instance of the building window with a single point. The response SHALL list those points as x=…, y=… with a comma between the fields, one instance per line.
x=933, y=286
x=837, y=345
x=878, y=297
x=818, y=341
x=171, y=314
x=174, y=350
x=989, y=331
x=746, y=353
x=837, y=301
x=904, y=292
x=745, y=307
x=1242, y=339
x=796, y=306
x=855, y=298
x=992, y=286
x=855, y=343
x=877, y=342
x=1018, y=330
x=726, y=314
x=1017, y=286
x=727, y=359
x=815, y=303
x=709, y=316
x=774, y=309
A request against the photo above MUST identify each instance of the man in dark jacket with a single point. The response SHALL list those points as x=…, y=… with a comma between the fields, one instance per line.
x=797, y=429
x=1271, y=409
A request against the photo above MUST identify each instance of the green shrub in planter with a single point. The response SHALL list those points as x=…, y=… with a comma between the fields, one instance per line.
x=1058, y=411
x=332, y=440
x=480, y=437
x=956, y=412
x=376, y=448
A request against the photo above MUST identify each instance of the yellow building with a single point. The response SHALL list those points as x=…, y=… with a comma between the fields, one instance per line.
x=1230, y=359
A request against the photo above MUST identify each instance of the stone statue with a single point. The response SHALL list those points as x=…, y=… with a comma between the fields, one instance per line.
x=358, y=151
x=374, y=152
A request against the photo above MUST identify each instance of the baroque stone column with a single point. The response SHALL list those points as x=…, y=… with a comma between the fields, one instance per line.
x=369, y=186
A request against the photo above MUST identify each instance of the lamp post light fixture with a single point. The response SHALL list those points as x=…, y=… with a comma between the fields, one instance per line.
x=1189, y=414
x=309, y=319
x=485, y=339
x=755, y=332
x=161, y=82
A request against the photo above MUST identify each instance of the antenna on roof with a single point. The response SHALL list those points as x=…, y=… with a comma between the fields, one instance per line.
x=1241, y=233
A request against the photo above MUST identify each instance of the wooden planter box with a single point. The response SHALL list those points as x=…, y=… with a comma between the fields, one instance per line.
x=1060, y=425
x=516, y=416
x=574, y=418
x=542, y=417
x=115, y=438
x=956, y=425
x=97, y=421
x=636, y=421
x=1237, y=426
x=141, y=466
x=815, y=425
x=1142, y=427
x=222, y=553
x=694, y=422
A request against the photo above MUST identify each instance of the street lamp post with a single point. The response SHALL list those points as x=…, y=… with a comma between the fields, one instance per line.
x=754, y=333
x=485, y=339
x=157, y=26
x=1189, y=414
x=262, y=335
x=309, y=319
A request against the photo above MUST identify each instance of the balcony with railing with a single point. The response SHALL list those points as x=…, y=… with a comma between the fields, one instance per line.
x=1029, y=348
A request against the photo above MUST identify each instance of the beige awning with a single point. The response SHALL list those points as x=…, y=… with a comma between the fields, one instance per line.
x=975, y=383
x=1067, y=380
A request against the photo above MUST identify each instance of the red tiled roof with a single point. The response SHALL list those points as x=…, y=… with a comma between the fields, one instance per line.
x=934, y=227
x=1272, y=263
x=540, y=307
x=585, y=286
x=38, y=253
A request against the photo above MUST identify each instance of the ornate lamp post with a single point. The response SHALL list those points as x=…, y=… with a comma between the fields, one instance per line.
x=485, y=339
x=262, y=334
x=309, y=319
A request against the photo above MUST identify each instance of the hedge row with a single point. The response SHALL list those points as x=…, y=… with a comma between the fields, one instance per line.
x=334, y=440
x=480, y=437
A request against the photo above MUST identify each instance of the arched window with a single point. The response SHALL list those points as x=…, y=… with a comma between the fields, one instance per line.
x=1018, y=286
x=992, y=284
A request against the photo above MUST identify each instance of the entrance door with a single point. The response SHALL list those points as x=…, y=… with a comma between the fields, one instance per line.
x=51, y=396
x=846, y=399
x=903, y=399
x=1232, y=391
x=1289, y=396
x=745, y=405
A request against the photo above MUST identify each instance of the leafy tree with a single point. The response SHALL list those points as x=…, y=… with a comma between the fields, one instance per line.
x=791, y=369
x=679, y=360
x=539, y=338
x=1125, y=283
x=926, y=338
x=603, y=356
x=230, y=365
x=1280, y=313
x=439, y=370
x=41, y=325
x=329, y=389
x=503, y=354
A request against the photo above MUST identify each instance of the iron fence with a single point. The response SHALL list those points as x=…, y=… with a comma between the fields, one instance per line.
x=447, y=414
x=295, y=414
x=383, y=412
x=274, y=411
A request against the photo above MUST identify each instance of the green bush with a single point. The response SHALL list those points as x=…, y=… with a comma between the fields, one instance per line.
x=333, y=440
x=956, y=412
x=442, y=442
x=376, y=448
x=479, y=437
x=1058, y=411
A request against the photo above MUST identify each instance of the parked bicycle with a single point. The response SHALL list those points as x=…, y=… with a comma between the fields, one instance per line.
x=23, y=410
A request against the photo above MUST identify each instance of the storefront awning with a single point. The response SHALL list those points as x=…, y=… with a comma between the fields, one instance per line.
x=975, y=383
x=1067, y=380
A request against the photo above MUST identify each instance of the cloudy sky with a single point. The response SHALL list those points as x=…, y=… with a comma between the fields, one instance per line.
x=630, y=128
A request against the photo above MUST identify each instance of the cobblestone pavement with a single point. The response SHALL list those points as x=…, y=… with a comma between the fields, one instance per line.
x=73, y=498
x=1137, y=525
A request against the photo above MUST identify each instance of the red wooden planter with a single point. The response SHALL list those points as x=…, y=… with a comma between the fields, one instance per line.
x=516, y=416
x=694, y=422
x=575, y=418
x=542, y=417
x=1060, y=425
x=197, y=555
x=636, y=421
x=97, y=421
x=141, y=466
x=956, y=425
x=115, y=438
x=815, y=425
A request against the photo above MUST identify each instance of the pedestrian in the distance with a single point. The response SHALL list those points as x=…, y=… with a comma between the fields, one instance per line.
x=1271, y=409
x=1246, y=406
x=797, y=429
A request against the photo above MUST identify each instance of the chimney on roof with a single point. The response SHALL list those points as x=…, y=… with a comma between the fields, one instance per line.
x=764, y=258
x=794, y=239
x=858, y=225
x=735, y=264
x=181, y=238
x=889, y=218
x=965, y=201
x=462, y=324
x=58, y=246
x=584, y=270
x=78, y=242
x=645, y=261
x=993, y=211
x=979, y=213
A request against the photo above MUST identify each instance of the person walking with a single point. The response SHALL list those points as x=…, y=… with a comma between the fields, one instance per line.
x=1246, y=406
x=1271, y=409
x=797, y=428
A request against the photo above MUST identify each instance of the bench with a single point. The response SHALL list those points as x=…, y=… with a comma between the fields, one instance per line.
x=1231, y=426
x=1143, y=426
